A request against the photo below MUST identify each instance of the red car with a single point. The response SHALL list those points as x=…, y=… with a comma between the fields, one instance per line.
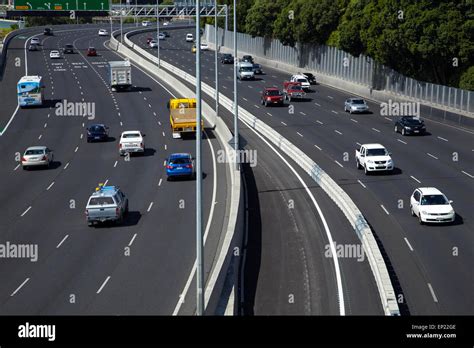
x=271, y=96
x=91, y=51
x=293, y=90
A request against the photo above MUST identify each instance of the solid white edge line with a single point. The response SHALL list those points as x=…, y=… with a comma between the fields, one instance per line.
x=103, y=285
x=18, y=289
x=342, y=310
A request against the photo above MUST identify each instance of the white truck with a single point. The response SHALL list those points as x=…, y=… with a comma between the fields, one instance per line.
x=120, y=75
x=373, y=158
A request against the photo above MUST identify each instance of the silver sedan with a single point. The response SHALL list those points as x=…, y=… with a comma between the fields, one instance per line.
x=37, y=156
x=352, y=105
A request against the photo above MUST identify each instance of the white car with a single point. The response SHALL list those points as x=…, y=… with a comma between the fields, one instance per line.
x=166, y=23
x=131, y=141
x=153, y=44
x=54, y=54
x=35, y=41
x=430, y=205
x=37, y=156
x=204, y=46
x=302, y=80
x=162, y=36
x=189, y=38
x=373, y=158
x=103, y=32
x=146, y=23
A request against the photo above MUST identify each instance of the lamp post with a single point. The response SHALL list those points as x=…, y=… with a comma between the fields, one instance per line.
x=199, y=238
x=236, y=109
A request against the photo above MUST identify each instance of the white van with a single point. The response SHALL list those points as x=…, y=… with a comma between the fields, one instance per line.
x=189, y=38
x=245, y=71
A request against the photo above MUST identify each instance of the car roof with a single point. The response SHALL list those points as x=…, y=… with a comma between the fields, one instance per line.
x=429, y=191
x=105, y=191
x=130, y=132
x=271, y=89
x=180, y=155
x=36, y=148
x=356, y=99
x=96, y=124
x=374, y=146
x=299, y=76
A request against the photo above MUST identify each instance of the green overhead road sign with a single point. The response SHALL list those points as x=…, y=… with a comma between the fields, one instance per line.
x=61, y=5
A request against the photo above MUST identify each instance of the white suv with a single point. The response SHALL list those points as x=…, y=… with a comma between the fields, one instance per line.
x=302, y=80
x=131, y=141
x=430, y=205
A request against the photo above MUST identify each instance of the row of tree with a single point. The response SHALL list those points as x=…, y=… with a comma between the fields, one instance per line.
x=430, y=40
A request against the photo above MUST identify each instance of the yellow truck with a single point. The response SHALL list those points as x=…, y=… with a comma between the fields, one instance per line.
x=183, y=116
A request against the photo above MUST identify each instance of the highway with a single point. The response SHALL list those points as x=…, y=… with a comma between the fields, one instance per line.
x=139, y=268
x=430, y=265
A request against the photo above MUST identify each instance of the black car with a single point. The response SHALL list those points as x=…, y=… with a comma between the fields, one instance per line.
x=247, y=58
x=410, y=125
x=311, y=78
x=33, y=47
x=166, y=33
x=257, y=69
x=48, y=31
x=97, y=132
x=227, y=58
x=68, y=48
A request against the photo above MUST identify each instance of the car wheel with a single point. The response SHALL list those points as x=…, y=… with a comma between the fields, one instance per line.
x=25, y=168
x=403, y=131
x=358, y=164
x=411, y=211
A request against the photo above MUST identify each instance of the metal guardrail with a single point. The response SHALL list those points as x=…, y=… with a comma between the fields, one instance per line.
x=361, y=70
x=332, y=189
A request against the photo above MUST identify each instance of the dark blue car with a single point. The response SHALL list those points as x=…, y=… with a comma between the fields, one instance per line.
x=179, y=165
x=97, y=132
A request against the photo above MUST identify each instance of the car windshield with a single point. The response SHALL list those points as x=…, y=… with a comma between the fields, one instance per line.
x=274, y=92
x=179, y=161
x=358, y=101
x=298, y=88
x=101, y=200
x=301, y=80
x=309, y=75
x=434, y=200
x=227, y=56
x=68, y=46
x=412, y=121
x=376, y=152
x=97, y=129
x=246, y=69
x=131, y=135
x=34, y=152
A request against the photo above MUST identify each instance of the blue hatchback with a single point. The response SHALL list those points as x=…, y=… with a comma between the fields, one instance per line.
x=97, y=132
x=179, y=165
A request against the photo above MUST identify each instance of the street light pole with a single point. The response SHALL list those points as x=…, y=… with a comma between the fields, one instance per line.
x=216, y=67
x=236, y=109
x=121, y=23
x=158, y=31
x=199, y=239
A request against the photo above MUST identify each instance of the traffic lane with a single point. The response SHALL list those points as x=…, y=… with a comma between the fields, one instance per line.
x=393, y=190
x=333, y=100
x=61, y=134
x=364, y=278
